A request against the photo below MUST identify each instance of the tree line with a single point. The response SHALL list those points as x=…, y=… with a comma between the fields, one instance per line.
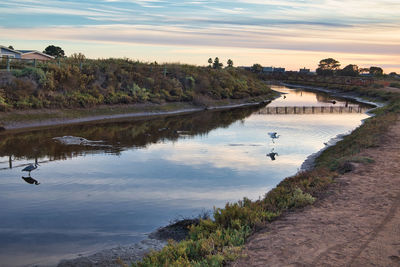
x=331, y=67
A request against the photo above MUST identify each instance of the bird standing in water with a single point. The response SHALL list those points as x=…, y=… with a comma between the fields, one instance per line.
x=273, y=136
x=30, y=168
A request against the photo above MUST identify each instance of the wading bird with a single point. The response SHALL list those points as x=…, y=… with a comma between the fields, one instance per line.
x=30, y=168
x=273, y=135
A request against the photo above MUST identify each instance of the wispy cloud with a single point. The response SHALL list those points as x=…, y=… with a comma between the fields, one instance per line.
x=353, y=27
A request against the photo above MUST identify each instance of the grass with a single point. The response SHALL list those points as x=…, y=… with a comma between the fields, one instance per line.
x=214, y=242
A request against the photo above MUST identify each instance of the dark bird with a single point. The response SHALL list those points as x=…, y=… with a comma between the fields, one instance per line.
x=30, y=168
x=272, y=154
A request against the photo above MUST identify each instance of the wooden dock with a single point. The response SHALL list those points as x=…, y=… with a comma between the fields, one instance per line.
x=288, y=110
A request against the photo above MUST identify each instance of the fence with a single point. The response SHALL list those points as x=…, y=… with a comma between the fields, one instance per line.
x=8, y=64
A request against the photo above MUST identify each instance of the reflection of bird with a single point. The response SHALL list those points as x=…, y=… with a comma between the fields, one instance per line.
x=30, y=180
x=30, y=168
x=272, y=154
x=273, y=135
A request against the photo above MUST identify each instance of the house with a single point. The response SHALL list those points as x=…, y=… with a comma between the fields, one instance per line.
x=280, y=70
x=304, y=71
x=33, y=54
x=9, y=53
x=267, y=69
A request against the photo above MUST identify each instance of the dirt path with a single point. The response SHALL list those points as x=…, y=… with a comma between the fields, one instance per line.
x=356, y=224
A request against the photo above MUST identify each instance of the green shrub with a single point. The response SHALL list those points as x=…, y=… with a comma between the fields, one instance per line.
x=397, y=85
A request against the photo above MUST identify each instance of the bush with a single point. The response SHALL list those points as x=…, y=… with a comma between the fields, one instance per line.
x=397, y=85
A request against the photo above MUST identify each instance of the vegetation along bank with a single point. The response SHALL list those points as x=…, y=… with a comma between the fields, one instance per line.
x=218, y=241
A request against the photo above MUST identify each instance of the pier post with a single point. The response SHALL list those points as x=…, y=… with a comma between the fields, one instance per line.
x=8, y=64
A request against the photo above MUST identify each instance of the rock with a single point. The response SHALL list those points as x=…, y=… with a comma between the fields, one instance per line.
x=347, y=166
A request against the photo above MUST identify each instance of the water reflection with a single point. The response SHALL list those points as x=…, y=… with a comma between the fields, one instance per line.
x=30, y=180
x=110, y=183
x=272, y=154
x=72, y=141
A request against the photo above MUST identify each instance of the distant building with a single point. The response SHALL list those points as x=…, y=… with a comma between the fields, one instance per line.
x=280, y=70
x=267, y=69
x=304, y=71
x=33, y=54
x=10, y=53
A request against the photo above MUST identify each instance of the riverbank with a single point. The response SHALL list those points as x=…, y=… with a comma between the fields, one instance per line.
x=355, y=223
x=237, y=221
x=22, y=120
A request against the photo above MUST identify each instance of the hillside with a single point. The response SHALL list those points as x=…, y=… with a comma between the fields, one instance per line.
x=73, y=83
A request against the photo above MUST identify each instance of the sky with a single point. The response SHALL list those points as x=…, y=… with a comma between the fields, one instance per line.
x=286, y=33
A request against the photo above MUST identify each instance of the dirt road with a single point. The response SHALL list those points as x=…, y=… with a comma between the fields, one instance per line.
x=356, y=224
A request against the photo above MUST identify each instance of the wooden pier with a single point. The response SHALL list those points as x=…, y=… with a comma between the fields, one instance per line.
x=311, y=110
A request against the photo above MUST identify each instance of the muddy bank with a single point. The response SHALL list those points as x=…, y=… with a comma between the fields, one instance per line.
x=29, y=120
x=116, y=256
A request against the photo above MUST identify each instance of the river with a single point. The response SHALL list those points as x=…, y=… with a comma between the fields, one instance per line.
x=126, y=178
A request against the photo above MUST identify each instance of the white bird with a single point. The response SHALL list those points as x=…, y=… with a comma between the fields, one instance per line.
x=273, y=135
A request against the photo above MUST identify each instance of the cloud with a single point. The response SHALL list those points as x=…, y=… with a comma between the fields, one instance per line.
x=308, y=26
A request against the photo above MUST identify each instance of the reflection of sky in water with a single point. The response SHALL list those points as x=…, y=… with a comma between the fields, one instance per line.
x=100, y=200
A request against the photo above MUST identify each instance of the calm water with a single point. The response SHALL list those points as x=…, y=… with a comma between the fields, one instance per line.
x=145, y=173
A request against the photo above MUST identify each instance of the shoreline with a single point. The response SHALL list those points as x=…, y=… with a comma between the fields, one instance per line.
x=103, y=256
x=309, y=162
x=54, y=122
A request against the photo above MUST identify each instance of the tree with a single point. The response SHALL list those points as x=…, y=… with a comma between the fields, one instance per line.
x=376, y=71
x=217, y=64
x=11, y=47
x=54, y=51
x=210, y=61
x=78, y=56
x=350, y=70
x=257, y=68
x=328, y=67
x=229, y=63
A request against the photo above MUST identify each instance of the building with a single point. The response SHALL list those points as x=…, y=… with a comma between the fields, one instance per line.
x=304, y=71
x=280, y=70
x=267, y=69
x=9, y=53
x=33, y=54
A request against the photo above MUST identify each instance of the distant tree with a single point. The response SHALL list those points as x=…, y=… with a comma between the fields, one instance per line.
x=393, y=74
x=217, y=64
x=376, y=71
x=257, y=68
x=210, y=61
x=11, y=47
x=350, y=70
x=78, y=56
x=363, y=71
x=54, y=51
x=229, y=63
x=328, y=67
